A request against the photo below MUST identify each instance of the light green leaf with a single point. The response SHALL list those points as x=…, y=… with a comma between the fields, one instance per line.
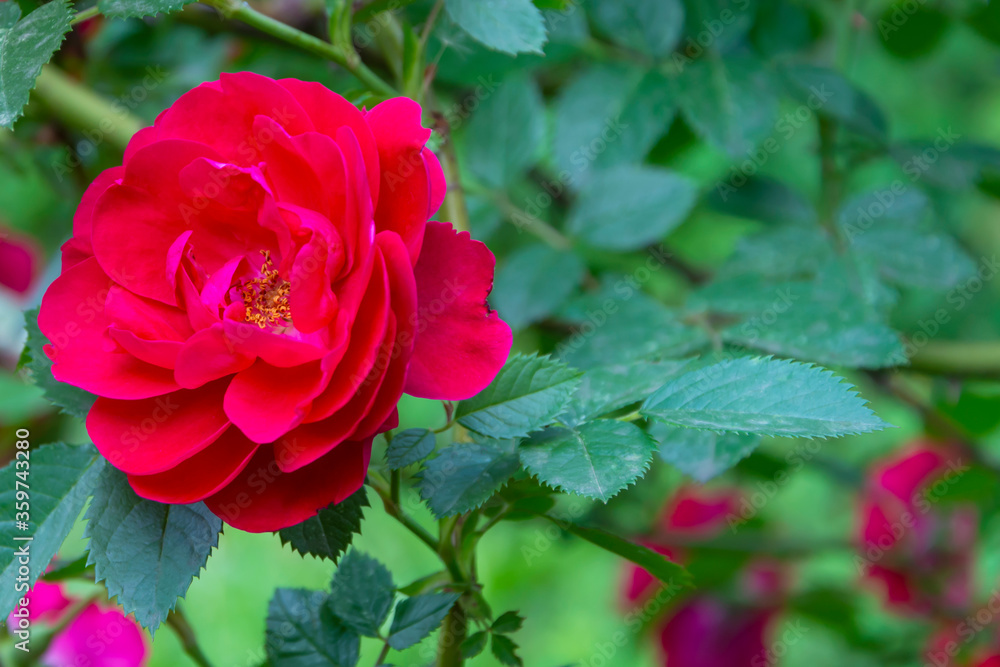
x=534, y=282
x=731, y=102
x=26, y=45
x=59, y=480
x=139, y=8
x=611, y=114
x=37, y=366
x=650, y=26
x=303, y=632
x=765, y=396
x=464, y=476
x=509, y=26
x=628, y=207
x=702, y=454
x=409, y=446
x=915, y=258
x=607, y=388
x=527, y=394
x=362, y=593
x=146, y=553
x=330, y=532
x=506, y=132
x=597, y=459
x=418, y=616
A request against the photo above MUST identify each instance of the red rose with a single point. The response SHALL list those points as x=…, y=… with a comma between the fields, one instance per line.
x=250, y=293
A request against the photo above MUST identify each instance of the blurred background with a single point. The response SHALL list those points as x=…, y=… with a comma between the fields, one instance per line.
x=708, y=142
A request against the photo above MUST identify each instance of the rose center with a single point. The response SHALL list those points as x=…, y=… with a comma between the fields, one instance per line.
x=266, y=297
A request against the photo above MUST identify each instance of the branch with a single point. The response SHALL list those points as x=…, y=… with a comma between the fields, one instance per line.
x=179, y=624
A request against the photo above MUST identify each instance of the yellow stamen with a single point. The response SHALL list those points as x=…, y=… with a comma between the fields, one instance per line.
x=266, y=297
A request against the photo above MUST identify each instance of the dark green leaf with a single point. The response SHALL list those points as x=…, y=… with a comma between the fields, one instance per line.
x=60, y=478
x=330, y=532
x=506, y=132
x=26, y=45
x=409, y=446
x=534, y=282
x=828, y=93
x=765, y=396
x=418, y=616
x=475, y=644
x=763, y=199
x=509, y=26
x=362, y=593
x=650, y=26
x=628, y=207
x=702, y=454
x=611, y=114
x=146, y=553
x=303, y=632
x=716, y=25
x=465, y=475
x=505, y=650
x=527, y=394
x=139, y=8
x=731, y=102
x=597, y=459
x=507, y=623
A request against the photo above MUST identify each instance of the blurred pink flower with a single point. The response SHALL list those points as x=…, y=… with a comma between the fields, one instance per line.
x=97, y=637
x=20, y=259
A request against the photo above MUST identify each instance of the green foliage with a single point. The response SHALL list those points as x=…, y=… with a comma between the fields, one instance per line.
x=409, y=446
x=628, y=207
x=70, y=399
x=58, y=482
x=362, y=593
x=504, y=650
x=146, y=553
x=597, y=459
x=509, y=26
x=527, y=394
x=139, y=8
x=329, y=533
x=464, y=476
x=764, y=396
x=607, y=388
x=534, y=282
x=416, y=617
x=651, y=26
x=703, y=455
x=656, y=564
x=302, y=631
x=25, y=45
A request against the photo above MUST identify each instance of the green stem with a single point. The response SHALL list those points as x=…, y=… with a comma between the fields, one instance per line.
x=78, y=107
x=179, y=624
x=975, y=359
x=394, y=510
x=345, y=56
x=455, y=209
x=453, y=631
x=379, y=6
x=394, y=486
x=383, y=655
x=831, y=177
x=536, y=226
x=82, y=16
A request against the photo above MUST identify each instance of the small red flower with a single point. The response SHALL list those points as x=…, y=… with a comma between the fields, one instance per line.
x=250, y=293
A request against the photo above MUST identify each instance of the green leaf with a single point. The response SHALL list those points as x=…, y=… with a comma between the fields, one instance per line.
x=362, y=593
x=608, y=388
x=914, y=258
x=60, y=478
x=534, y=282
x=146, y=553
x=122, y=9
x=730, y=102
x=303, y=632
x=702, y=454
x=656, y=564
x=786, y=252
x=507, y=623
x=509, y=26
x=651, y=26
x=619, y=325
x=506, y=132
x=464, y=476
x=34, y=362
x=766, y=396
x=505, y=650
x=830, y=94
x=329, y=533
x=716, y=25
x=418, y=616
x=26, y=45
x=628, y=207
x=611, y=114
x=597, y=459
x=409, y=446
x=475, y=644
x=527, y=394
x=764, y=199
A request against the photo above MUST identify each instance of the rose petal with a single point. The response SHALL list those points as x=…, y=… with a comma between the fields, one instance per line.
x=266, y=402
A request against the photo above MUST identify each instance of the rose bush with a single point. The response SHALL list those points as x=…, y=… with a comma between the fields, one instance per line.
x=251, y=292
